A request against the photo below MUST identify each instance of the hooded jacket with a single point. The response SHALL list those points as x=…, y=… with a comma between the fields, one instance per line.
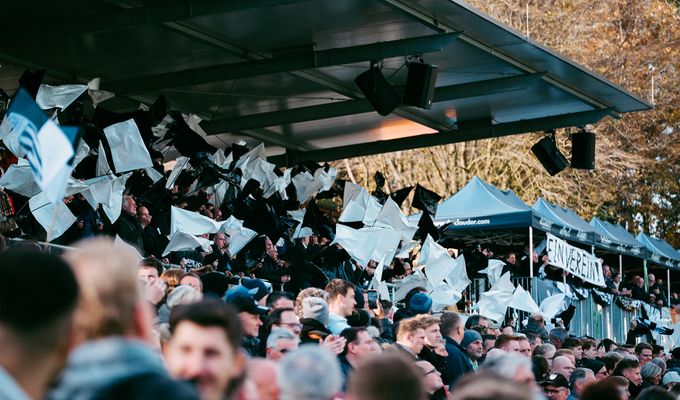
x=114, y=367
x=314, y=327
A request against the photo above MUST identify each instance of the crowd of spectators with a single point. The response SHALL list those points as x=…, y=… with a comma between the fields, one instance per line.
x=97, y=323
x=283, y=319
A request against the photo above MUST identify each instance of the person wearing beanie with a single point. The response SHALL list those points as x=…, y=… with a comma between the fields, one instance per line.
x=420, y=303
x=315, y=308
x=474, y=347
x=404, y=312
x=314, y=320
x=215, y=284
x=598, y=367
x=359, y=319
x=651, y=375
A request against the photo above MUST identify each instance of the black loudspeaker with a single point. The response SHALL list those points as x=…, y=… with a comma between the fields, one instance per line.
x=378, y=91
x=420, y=84
x=549, y=155
x=583, y=150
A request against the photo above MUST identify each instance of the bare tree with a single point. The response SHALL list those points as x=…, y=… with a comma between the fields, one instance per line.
x=634, y=43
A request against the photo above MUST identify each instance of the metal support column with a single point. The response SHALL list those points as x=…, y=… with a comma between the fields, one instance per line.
x=644, y=267
x=531, y=252
x=668, y=284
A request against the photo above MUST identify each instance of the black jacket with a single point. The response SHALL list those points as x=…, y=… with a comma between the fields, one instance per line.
x=154, y=242
x=129, y=229
x=312, y=327
x=216, y=255
x=457, y=362
x=439, y=362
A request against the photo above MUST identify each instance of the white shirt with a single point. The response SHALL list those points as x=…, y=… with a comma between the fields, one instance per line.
x=10, y=389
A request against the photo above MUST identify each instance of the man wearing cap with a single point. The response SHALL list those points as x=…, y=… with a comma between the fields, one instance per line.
x=598, y=367
x=249, y=314
x=556, y=387
x=258, y=289
x=474, y=348
x=671, y=379
x=314, y=312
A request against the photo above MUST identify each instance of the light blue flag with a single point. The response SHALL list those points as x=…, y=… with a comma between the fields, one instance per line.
x=49, y=148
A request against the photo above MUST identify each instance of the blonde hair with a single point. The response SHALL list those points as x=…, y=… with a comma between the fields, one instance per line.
x=407, y=327
x=171, y=278
x=109, y=287
x=426, y=320
x=308, y=292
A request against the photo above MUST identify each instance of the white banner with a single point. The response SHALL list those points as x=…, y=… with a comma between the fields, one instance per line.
x=577, y=262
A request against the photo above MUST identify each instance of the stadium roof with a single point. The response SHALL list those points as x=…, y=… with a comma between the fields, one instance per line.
x=282, y=71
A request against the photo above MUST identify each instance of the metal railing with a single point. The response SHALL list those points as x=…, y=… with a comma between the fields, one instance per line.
x=590, y=318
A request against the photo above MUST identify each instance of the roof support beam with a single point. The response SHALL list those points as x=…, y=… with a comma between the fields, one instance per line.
x=426, y=17
x=152, y=13
x=469, y=130
x=193, y=30
x=296, y=62
x=358, y=106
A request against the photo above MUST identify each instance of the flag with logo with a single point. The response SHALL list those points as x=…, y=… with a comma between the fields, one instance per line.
x=49, y=148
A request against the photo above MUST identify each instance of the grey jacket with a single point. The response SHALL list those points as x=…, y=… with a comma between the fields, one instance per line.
x=96, y=368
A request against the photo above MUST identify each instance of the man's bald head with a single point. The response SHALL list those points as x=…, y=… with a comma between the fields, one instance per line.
x=562, y=365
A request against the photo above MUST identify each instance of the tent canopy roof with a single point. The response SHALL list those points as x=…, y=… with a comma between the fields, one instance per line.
x=616, y=238
x=282, y=71
x=661, y=252
x=481, y=205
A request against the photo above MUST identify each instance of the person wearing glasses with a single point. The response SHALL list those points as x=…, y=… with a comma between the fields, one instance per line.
x=556, y=387
x=432, y=380
x=287, y=319
x=279, y=342
x=282, y=318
